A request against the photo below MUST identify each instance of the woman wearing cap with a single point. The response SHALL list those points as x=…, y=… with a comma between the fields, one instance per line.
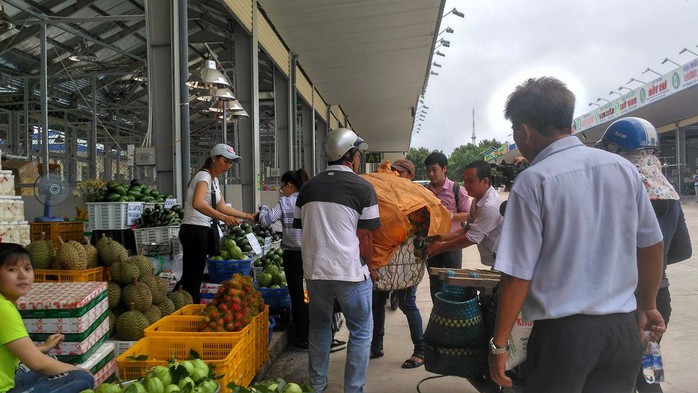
x=199, y=212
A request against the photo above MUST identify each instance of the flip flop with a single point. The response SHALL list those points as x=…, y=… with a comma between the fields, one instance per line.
x=411, y=363
x=376, y=354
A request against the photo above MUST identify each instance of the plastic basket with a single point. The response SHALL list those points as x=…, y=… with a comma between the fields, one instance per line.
x=276, y=298
x=70, y=230
x=228, y=354
x=47, y=275
x=220, y=271
x=107, y=215
x=189, y=309
x=261, y=340
x=155, y=235
x=276, y=245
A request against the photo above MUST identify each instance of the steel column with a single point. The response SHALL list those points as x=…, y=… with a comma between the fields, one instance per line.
x=284, y=130
x=307, y=130
x=92, y=140
x=43, y=82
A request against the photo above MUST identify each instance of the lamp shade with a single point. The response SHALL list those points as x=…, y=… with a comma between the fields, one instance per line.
x=240, y=113
x=83, y=53
x=208, y=77
x=5, y=21
x=230, y=106
x=224, y=94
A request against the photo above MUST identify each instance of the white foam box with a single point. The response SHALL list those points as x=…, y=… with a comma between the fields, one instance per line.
x=11, y=208
x=99, y=359
x=7, y=183
x=77, y=324
x=71, y=348
x=15, y=232
x=121, y=346
x=61, y=299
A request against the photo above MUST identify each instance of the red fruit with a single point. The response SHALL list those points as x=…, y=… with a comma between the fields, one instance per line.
x=229, y=327
x=228, y=318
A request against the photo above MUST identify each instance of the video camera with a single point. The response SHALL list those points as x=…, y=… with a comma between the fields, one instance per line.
x=504, y=174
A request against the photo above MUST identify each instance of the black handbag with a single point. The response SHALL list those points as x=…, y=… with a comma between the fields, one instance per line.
x=214, y=238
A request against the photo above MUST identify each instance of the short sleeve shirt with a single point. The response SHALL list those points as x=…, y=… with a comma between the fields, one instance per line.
x=574, y=221
x=191, y=215
x=448, y=199
x=486, y=225
x=12, y=329
x=330, y=208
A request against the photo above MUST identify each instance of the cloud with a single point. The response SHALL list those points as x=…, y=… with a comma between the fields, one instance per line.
x=594, y=46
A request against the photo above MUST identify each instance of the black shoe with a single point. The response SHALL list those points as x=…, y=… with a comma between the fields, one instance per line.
x=301, y=346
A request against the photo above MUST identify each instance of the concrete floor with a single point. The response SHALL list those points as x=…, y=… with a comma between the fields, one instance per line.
x=679, y=346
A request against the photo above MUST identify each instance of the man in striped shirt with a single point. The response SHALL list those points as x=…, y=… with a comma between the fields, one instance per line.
x=337, y=210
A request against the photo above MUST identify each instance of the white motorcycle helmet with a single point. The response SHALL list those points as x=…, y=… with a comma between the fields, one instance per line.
x=341, y=140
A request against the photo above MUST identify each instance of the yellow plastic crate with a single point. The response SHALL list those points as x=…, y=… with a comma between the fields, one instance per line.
x=189, y=309
x=261, y=340
x=69, y=230
x=227, y=354
x=48, y=275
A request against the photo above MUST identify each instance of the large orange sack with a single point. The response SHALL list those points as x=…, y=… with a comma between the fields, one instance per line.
x=397, y=198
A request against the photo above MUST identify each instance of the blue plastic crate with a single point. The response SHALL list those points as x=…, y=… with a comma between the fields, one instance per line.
x=272, y=324
x=220, y=271
x=276, y=298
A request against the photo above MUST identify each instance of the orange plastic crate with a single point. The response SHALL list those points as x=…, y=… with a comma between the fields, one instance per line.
x=69, y=230
x=227, y=354
x=261, y=339
x=48, y=275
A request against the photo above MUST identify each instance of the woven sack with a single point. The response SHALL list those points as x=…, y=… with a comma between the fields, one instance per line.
x=404, y=270
x=454, y=340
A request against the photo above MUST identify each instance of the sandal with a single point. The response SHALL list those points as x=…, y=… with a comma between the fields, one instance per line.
x=376, y=354
x=412, y=363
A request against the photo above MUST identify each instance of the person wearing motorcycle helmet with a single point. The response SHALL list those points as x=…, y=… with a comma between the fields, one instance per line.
x=337, y=209
x=636, y=140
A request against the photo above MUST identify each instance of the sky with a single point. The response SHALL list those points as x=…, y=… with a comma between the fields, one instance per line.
x=594, y=46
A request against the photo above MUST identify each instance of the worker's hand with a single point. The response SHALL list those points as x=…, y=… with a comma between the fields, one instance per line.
x=434, y=249
x=230, y=220
x=51, y=342
x=651, y=321
x=255, y=217
x=498, y=368
x=373, y=274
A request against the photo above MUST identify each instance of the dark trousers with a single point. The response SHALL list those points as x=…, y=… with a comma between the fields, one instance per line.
x=583, y=353
x=449, y=259
x=194, y=239
x=664, y=308
x=407, y=300
x=293, y=267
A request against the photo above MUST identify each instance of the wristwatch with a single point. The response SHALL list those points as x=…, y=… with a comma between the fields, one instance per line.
x=495, y=350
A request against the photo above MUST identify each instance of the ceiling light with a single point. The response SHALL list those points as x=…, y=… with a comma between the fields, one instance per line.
x=689, y=51
x=240, y=113
x=224, y=94
x=5, y=21
x=83, y=53
x=438, y=53
x=651, y=70
x=233, y=105
x=208, y=77
x=455, y=12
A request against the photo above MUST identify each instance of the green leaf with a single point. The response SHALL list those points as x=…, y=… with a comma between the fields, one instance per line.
x=138, y=358
x=193, y=354
x=178, y=372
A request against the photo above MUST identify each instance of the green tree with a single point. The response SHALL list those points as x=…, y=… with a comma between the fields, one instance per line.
x=417, y=157
x=465, y=154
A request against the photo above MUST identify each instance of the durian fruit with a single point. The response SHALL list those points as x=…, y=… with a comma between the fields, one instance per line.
x=71, y=255
x=113, y=294
x=112, y=322
x=166, y=307
x=144, y=264
x=137, y=294
x=110, y=251
x=125, y=272
x=91, y=254
x=158, y=287
x=101, y=242
x=130, y=325
x=180, y=298
x=153, y=314
x=41, y=252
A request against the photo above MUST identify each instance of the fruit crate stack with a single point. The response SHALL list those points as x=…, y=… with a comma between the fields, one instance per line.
x=67, y=230
x=13, y=227
x=79, y=312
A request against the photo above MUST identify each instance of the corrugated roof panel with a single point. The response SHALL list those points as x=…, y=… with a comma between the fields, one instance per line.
x=273, y=45
x=303, y=87
x=243, y=10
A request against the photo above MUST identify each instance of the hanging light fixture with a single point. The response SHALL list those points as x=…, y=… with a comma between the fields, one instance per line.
x=224, y=94
x=208, y=77
x=240, y=113
x=233, y=105
x=83, y=53
x=5, y=21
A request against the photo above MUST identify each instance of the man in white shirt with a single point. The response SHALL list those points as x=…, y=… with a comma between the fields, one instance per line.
x=484, y=220
x=579, y=242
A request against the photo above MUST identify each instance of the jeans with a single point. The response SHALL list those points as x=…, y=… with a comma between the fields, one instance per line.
x=355, y=300
x=449, y=259
x=70, y=382
x=407, y=299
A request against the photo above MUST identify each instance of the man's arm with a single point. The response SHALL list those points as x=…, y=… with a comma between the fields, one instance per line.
x=366, y=249
x=512, y=293
x=650, y=264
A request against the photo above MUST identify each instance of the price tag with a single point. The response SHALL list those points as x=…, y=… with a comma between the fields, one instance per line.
x=254, y=243
x=135, y=210
x=169, y=202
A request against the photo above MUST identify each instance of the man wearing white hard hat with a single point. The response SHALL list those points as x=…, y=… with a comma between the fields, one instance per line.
x=337, y=210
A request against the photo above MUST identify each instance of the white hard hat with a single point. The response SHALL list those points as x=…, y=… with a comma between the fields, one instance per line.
x=341, y=140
